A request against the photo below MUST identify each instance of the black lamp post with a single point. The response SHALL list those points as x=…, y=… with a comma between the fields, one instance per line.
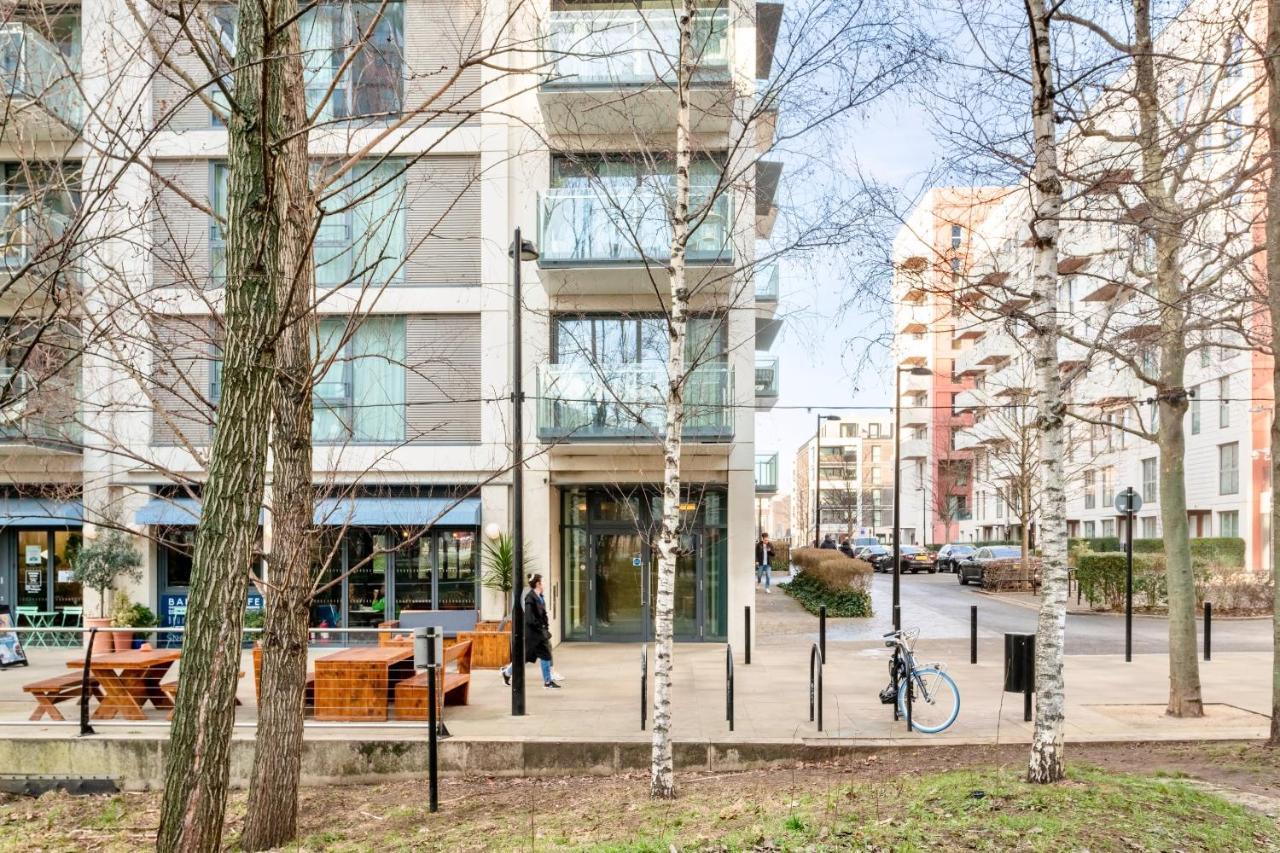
x=897, y=486
x=817, y=478
x=521, y=250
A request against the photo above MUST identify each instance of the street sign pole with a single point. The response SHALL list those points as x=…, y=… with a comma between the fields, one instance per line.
x=1128, y=502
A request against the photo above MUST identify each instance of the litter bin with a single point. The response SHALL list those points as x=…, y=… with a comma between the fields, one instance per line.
x=1019, y=663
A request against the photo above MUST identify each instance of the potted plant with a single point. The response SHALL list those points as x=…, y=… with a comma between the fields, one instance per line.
x=127, y=614
x=253, y=618
x=499, y=574
x=98, y=565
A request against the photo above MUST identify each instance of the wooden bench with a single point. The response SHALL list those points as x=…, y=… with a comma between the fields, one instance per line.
x=490, y=647
x=60, y=688
x=411, y=693
x=170, y=689
x=309, y=696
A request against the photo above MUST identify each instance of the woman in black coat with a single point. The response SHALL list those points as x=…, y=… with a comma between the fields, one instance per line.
x=537, y=633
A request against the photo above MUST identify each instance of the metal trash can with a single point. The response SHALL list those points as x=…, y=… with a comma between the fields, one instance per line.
x=1019, y=663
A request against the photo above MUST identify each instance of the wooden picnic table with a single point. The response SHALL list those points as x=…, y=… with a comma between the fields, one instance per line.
x=357, y=684
x=129, y=680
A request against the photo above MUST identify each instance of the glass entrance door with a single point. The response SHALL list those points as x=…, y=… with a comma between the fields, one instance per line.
x=620, y=601
x=688, y=619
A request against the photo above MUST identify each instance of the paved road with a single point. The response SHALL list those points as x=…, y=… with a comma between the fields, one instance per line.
x=939, y=606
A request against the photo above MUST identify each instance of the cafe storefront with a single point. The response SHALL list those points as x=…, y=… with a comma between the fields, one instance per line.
x=609, y=550
x=38, y=539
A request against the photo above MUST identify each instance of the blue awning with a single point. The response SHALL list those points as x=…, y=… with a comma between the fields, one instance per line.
x=170, y=512
x=35, y=512
x=397, y=512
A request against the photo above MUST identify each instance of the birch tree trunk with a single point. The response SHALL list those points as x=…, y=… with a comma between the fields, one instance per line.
x=197, y=762
x=1046, y=763
x=1171, y=405
x=272, y=816
x=1272, y=65
x=662, y=770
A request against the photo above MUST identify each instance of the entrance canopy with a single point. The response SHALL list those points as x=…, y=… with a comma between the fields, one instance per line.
x=36, y=512
x=398, y=512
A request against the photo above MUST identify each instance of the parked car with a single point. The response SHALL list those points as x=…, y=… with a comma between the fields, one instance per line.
x=972, y=566
x=949, y=556
x=880, y=557
x=916, y=559
x=862, y=552
x=864, y=542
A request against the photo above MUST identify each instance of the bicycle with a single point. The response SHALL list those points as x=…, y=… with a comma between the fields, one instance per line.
x=934, y=697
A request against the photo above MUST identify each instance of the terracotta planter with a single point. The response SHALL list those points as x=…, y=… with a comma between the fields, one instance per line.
x=102, y=642
x=122, y=641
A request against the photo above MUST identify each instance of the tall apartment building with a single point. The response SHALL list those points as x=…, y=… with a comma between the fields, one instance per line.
x=961, y=298
x=412, y=412
x=851, y=460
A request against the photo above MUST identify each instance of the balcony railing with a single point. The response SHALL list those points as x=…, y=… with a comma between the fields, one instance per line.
x=32, y=68
x=607, y=48
x=766, y=472
x=584, y=226
x=25, y=227
x=628, y=401
x=767, y=282
x=767, y=377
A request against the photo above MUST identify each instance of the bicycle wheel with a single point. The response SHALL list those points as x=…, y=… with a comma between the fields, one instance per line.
x=935, y=702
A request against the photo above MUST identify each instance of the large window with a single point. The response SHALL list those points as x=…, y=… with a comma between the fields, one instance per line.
x=371, y=86
x=1224, y=402
x=603, y=341
x=1090, y=496
x=360, y=239
x=360, y=396
x=1150, y=479
x=1228, y=468
x=1108, y=485
x=1195, y=410
x=1229, y=523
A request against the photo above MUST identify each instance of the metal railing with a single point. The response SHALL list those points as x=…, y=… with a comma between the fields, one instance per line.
x=606, y=48
x=628, y=401
x=631, y=225
x=767, y=282
x=766, y=472
x=32, y=68
x=26, y=227
x=815, y=684
x=767, y=376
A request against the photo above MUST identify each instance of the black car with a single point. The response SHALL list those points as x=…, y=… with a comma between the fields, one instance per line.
x=916, y=559
x=972, y=566
x=880, y=557
x=949, y=556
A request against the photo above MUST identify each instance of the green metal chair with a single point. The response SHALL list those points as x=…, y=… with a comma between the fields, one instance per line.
x=68, y=615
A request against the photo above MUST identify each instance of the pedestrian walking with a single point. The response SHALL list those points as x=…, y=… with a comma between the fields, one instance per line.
x=828, y=543
x=537, y=635
x=764, y=556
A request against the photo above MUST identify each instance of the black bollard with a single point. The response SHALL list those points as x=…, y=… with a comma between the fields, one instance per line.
x=746, y=613
x=85, y=728
x=1208, y=631
x=433, y=767
x=973, y=633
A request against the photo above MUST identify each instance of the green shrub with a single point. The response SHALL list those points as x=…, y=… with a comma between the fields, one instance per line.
x=1218, y=550
x=828, y=577
x=1096, y=543
x=1102, y=578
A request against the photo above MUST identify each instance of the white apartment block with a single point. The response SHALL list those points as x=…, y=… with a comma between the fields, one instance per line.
x=963, y=274
x=413, y=413
x=851, y=459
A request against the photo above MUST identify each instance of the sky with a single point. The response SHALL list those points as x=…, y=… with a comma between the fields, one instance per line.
x=822, y=343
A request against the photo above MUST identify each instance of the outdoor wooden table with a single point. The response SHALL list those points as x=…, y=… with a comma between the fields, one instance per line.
x=129, y=680
x=356, y=684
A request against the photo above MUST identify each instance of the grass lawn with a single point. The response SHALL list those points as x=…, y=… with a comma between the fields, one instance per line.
x=871, y=802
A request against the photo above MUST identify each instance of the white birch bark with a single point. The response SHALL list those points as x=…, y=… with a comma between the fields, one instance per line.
x=1046, y=762
x=1273, y=303
x=662, y=770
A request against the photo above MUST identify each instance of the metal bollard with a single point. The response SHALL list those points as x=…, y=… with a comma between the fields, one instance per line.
x=973, y=633
x=815, y=684
x=1208, y=631
x=746, y=634
x=822, y=629
x=910, y=693
x=424, y=657
x=85, y=728
x=644, y=686
x=728, y=684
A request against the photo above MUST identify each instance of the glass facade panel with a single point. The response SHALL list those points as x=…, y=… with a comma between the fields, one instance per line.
x=456, y=558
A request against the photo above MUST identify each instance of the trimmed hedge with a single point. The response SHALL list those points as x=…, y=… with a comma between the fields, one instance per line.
x=829, y=577
x=1102, y=578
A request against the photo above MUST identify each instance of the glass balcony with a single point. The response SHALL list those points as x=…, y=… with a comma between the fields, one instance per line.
x=33, y=69
x=580, y=226
x=767, y=377
x=766, y=472
x=767, y=282
x=37, y=413
x=582, y=402
x=25, y=227
x=630, y=48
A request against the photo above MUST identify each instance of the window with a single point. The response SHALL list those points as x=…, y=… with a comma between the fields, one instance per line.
x=1089, y=530
x=955, y=267
x=1224, y=402
x=875, y=474
x=371, y=86
x=1108, y=527
x=361, y=242
x=1149, y=527
x=1108, y=485
x=360, y=397
x=1229, y=468
x=1150, y=481
x=873, y=430
x=1229, y=523
x=606, y=341
x=1090, y=496
x=1205, y=356
x=848, y=430
x=875, y=453
x=957, y=234
x=1235, y=56
x=1234, y=131
x=1195, y=410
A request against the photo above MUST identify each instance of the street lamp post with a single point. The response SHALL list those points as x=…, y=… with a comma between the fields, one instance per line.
x=520, y=251
x=897, y=486
x=817, y=478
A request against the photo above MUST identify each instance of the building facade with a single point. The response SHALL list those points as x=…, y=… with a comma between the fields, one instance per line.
x=851, y=459
x=444, y=156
